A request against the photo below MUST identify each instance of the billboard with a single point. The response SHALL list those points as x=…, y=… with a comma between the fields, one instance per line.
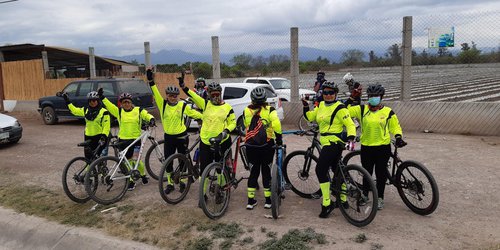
x=441, y=37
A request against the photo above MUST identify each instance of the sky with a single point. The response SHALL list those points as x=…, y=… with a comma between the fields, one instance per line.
x=120, y=27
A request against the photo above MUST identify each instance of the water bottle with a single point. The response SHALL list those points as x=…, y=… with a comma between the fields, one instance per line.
x=135, y=156
x=196, y=154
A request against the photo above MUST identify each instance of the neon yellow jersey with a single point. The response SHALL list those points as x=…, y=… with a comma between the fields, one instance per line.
x=100, y=125
x=269, y=117
x=376, y=126
x=130, y=122
x=215, y=118
x=172, y=117
x=331, y=127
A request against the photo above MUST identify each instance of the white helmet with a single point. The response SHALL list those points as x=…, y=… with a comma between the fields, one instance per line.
x=348, y=78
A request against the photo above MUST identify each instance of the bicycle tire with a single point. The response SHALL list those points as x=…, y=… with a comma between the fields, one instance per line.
x=303, y=185
x=154, y=167
x=304, y=124
x=275, y=191
x=181, y=169
x=352, y=155
x=98, y=175
x=355, y=196
x=409, y=181
x=221, y=192
x=79, y=194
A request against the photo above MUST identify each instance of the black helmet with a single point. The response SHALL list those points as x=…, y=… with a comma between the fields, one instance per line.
x=172, y=90
x=258, y=95
x=330, y=85
x=125, y=96
x=214, y=86
x=320, y=73
x=375, y=89
x=92, y=95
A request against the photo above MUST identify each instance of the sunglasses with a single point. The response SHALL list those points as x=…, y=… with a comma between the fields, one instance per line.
x=331, y=92
x=126, y=101
x=216, y=94
x=172, y=95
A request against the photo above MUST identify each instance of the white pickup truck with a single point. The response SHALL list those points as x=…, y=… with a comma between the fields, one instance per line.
x=280, y=85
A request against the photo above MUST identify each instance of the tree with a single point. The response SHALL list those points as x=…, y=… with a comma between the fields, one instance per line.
x=394, y=54
x=372, y=57
x=135, y=62
x=469, y=55
x=242, y=61
x=352, y=57
x=202, y=69
x=465, y=46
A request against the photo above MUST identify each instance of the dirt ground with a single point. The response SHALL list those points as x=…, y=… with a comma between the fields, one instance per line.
x=466, y=169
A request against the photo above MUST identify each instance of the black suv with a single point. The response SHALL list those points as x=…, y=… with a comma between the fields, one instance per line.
x=52, y=107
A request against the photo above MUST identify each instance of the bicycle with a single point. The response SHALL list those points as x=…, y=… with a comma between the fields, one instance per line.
x=278, y=184
x=154, y=167
x=408, y=177
x=219, y=177
x=184, y=172
x=77, y=168
x=350, y=181
x=110, y=171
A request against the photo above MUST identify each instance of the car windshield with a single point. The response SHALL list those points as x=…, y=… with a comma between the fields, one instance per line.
x=280, y=84
x=134, y=87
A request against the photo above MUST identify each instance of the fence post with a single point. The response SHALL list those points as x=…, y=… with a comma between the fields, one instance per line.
x=406, y=60
x=215, y=59
x=45, y=62
x=294, y=64
x=92, y=62
x=147, y=54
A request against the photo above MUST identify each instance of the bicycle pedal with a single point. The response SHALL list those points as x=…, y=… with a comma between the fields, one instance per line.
x=315, y=196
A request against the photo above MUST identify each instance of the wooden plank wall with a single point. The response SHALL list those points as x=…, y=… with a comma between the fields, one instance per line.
x=25, y=81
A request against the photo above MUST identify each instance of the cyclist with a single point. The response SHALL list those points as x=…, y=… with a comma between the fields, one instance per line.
x=172, y=117
x=355, y=90
x=201, y=87
x=97, y=122
x=218, y=120
x=261, y=157
x=130, y=121
x=377, y=123
x=331, y=117
x=320, y=79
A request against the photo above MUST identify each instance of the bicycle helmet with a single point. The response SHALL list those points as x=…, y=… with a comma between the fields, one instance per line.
x=201, y=81
x=348, y=78
x=330, y=85
x=258, y=95
x=92, y=95
x=320, y=73
x=214, y=86
x=375, y=89
x=172, y=90
x=124, y=96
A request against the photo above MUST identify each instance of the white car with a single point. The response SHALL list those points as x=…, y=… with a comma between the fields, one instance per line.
x=10, y=129
x=281, y=86
x=238, y=96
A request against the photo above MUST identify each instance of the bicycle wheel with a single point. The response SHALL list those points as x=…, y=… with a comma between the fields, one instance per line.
x=181, y=177
x=276, y=191
x=73, y=178
x=297, y=172
x=360, y=207
x=353, y=157
x=154, y=159
x=304, y=124
x=417, y=187
x=110, y=180
x=214, y=190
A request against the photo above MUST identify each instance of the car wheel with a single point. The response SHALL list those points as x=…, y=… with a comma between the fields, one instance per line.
x=49, y=115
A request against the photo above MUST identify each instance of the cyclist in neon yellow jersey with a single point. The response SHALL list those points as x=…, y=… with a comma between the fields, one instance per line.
x=331, y=117
x=172, y=118
x=377, y=122
x=130, y=120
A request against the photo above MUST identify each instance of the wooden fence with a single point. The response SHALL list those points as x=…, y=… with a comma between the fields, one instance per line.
x=25, y=81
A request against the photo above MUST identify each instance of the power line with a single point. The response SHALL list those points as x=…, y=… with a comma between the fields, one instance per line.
x=8, y=1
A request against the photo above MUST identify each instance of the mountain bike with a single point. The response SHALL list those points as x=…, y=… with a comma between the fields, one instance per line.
x=278, y=183
x=415, y=184
x=352, y=186
x=218, y=178
x=183, y=174
x=107, y=180
x=73, y=174
x=155, y=157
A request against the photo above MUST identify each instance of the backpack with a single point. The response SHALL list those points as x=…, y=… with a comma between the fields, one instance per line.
x=256, y=132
